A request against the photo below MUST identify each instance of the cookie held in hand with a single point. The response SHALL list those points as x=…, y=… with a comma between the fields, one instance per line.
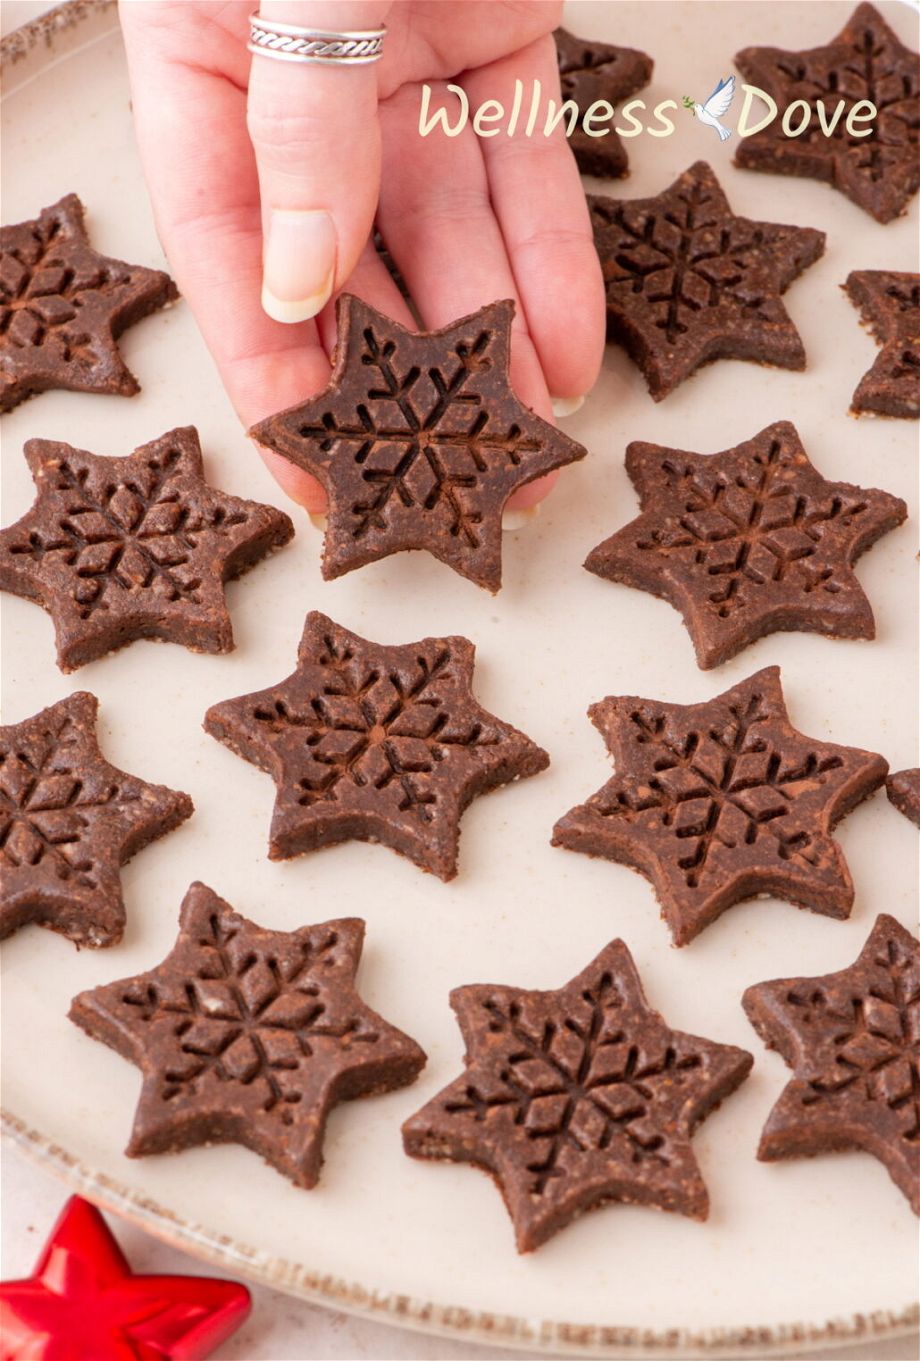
x=248, y=1036
x=852, y=1040
x=577, y=1097
x=68, y=821
x=688, y=282
x=370, y=742
x=117, y=549
x=722, y=801
x=418, y=441
x=63, y=306
x=748, y=542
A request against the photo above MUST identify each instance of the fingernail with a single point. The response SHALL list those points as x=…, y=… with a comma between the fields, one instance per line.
x=318, y=520
x=567, y=406
x=517, y=519
x=298, y=269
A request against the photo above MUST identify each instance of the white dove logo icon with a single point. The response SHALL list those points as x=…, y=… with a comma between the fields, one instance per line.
x=715, y=106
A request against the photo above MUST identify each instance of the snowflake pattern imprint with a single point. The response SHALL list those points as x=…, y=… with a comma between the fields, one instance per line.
x=68, y=821
x=62, y=307
x=748, y=541
x=418, y=441
x=367, y=728
x=865, y=62
x=140, y=547
x=889, y=304
x=718, y=802
x=375, y=743
x=576, y=1097
x=248, y=1035
x=853, y=1041
x=688, y=282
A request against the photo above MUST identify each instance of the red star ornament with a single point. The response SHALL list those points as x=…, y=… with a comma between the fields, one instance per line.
x=84, y=1303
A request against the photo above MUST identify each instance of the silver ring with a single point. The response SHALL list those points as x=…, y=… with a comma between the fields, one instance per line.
x=287, y=42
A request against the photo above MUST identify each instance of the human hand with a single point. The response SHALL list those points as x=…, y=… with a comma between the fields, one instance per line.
x=266, y=184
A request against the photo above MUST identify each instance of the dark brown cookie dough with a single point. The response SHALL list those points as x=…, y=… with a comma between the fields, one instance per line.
x=418, y=441
x=903, y=789
x=748, y=542
x=392, y=268
x=852, y=1040
x=866, y=61
x=688, y=282
x=69, y=821
x=577, y=1097
x=374, y=743
x=63, y=306
x=248, y=1036
x=889, y=304
x=722, y=801
x=140, y=547
x=592, y=71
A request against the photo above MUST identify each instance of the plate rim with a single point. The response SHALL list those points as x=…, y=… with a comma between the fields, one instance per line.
x=35, y=41
x=452, y=1321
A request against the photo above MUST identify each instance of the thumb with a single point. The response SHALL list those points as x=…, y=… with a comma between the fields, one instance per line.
x=316, y=137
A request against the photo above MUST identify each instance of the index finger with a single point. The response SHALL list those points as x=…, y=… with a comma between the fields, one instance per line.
x=199, y=163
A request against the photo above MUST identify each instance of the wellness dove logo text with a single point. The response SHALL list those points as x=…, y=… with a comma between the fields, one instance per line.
x=536, y=117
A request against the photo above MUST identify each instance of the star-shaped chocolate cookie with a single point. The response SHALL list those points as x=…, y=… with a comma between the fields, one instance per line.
x=418, y=441
x=722, y=801
x=688, y=282
x=63, y=306
x=140, y=547
x=865, y=62
x=592, y=71
x=248, y=1036
x=373, y=743
x=577, y=1097
x=903, y=789
x=69, y=821
x=889, y=304
x=748, y=542
x=852, y=1040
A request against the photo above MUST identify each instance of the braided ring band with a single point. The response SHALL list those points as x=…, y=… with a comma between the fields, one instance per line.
x=287, y=42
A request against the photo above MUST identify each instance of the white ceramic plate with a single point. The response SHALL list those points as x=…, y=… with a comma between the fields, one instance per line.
x=792, y=1254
